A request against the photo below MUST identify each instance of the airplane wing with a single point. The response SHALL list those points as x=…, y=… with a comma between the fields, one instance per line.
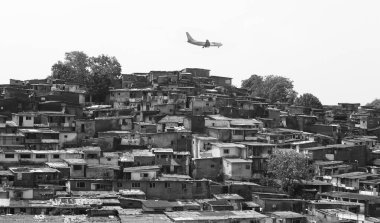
x=207, y=44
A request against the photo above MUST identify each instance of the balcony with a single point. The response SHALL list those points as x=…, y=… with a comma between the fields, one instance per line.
x=61, y=125
x=50, y=141
x=238, y=137
x=32, y=141
x=370, y=193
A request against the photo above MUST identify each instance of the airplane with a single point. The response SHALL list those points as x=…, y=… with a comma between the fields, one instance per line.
x=203, y=44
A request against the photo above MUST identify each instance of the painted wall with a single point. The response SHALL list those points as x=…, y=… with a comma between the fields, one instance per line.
x=141, y=175
x=237, y=171
x=67, y=138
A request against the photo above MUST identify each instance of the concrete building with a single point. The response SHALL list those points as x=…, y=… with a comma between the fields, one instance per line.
x=237, y=169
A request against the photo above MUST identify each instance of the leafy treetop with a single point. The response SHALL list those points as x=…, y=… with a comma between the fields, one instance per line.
x=96, y=73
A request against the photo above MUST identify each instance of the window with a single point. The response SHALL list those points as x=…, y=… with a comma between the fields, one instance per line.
x=167, y=185
x=25, y=156
x=40, y=156
x=144, y=174
x=17, y=139
x=152, y=185
x=28, y=118
x=135, y=185
x=77, y=167
x=55, y=156
x=92, y=156
x=108, y=159
x=226, y=151
x=184, y=186
x=212, y=165
x=247, y=167
x=119, y=184
x=65, y=136
x=9, y=156
x=99, y=186
x=198, y=184
x=80, y=185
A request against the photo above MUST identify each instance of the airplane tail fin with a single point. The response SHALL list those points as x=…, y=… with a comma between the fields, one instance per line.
x=189, y=38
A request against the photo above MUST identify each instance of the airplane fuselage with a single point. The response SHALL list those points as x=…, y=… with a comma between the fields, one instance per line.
x=202, y=44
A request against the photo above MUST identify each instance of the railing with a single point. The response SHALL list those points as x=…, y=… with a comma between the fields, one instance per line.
x=371, y=193
x=62, y=125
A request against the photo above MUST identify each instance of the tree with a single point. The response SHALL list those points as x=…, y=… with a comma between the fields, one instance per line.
x=278, y=88
x=289, y=167
x=255, y=84
x=104, y=70
x=96, y=73
x=375, y=103
x=62, y=71
x=75, y=68
x=308, y=100
x=275, y=88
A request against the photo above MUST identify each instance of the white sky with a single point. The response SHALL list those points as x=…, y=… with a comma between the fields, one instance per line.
x=328, y=48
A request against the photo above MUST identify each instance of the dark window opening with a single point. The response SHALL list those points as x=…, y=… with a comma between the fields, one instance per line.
x=9, y=156
x=40, y=156
x=25, y=156
x=81, y=184
x=77, y=167
x=144, y=175
x=136, y=185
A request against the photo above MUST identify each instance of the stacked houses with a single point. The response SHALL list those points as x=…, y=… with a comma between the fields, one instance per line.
x=179, y=146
